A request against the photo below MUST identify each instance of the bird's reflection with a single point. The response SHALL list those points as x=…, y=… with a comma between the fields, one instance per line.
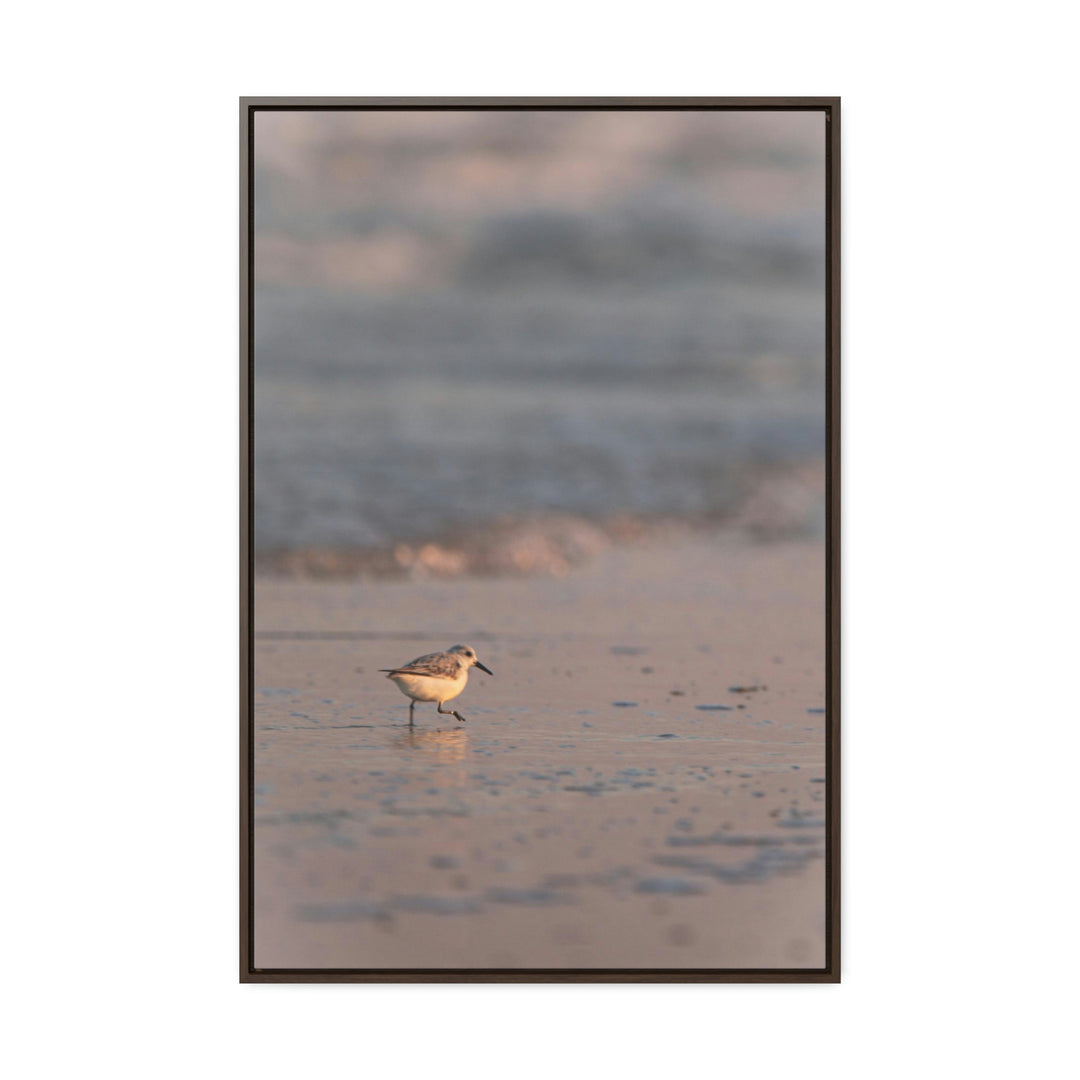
x=446, y=747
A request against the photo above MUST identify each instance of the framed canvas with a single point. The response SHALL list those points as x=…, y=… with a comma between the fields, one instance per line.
x=540, y=539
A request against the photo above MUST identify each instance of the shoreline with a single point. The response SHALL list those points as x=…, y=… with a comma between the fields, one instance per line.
x=776, y=504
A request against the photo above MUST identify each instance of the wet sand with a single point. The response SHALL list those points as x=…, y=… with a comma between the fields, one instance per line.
x=641, y=784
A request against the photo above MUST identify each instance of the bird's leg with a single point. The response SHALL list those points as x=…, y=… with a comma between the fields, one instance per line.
x=412, y=705
x=448, y=712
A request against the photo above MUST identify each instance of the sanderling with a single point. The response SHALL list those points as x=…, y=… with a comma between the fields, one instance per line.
x=437, y=677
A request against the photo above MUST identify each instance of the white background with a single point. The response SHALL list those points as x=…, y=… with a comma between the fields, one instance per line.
x=959, y=570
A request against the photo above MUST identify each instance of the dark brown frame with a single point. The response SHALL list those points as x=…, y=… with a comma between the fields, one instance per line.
x=831, y=972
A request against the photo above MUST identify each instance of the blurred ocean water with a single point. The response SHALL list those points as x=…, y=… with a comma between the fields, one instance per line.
x=437, y=412
x=427, y=362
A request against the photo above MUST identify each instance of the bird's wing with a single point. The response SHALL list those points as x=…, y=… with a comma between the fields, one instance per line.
x=433, y=666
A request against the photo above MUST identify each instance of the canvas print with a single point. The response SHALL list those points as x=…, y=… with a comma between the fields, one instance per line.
x=538, y=650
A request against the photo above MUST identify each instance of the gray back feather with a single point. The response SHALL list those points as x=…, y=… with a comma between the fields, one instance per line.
x=437, y=665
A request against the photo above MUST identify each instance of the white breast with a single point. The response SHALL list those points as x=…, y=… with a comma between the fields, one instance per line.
x=425, y=688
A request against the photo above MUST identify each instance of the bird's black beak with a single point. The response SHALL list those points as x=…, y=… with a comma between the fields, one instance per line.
x=482, y=668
